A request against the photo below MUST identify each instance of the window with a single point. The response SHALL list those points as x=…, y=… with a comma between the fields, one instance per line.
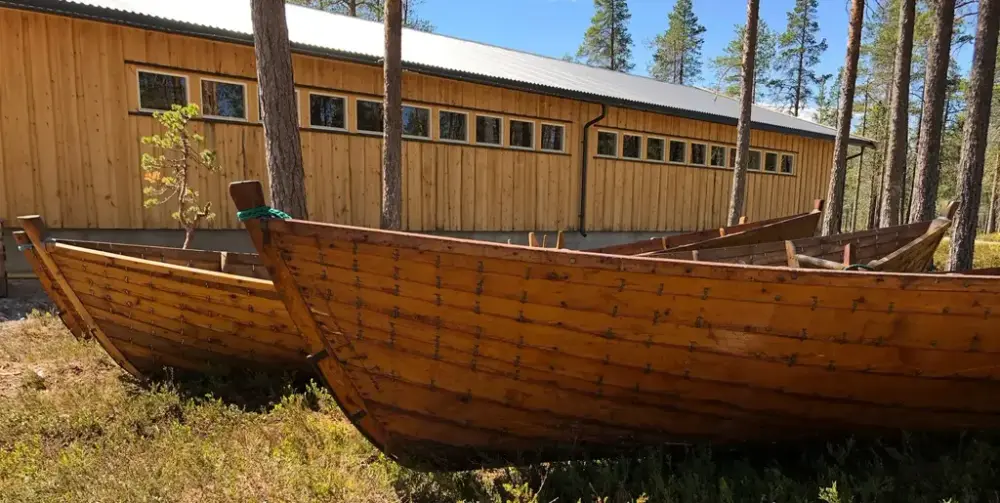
x=678, y=151
x=327, y=111
x=698, y=153
x=718, y=157
x=552, y=137
x=522, y=134
x=607, y=143
x=754, y=160
x=453, y=126
x=732, y=158
x=787, y=164
x=654, y=149
x=158, y=91
x=632, y=146
x=488, y=130
x=369, y=116
x=223, y=99
x=771, y=162
x=416, y=121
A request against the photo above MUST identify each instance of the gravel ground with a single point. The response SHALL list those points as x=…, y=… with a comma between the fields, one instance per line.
x=23, y=295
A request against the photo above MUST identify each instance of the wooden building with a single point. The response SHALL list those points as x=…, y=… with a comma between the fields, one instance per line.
x=496, y=140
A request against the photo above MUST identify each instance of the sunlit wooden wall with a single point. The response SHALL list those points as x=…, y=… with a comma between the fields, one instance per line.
x=70, y=129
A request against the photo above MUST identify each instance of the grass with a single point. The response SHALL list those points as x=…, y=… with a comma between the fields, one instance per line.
x=74, y=427
x=987, y=252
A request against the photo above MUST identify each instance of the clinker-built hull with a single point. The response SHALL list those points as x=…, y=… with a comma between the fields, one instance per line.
x=450, y=353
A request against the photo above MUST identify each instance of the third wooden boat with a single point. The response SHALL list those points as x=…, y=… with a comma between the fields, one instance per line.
x=776, y=229
x=451, y=353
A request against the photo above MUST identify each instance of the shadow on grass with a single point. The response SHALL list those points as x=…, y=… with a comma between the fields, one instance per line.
x=250, y=390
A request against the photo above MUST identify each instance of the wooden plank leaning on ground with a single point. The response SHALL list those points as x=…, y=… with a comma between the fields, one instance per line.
x=461, y=352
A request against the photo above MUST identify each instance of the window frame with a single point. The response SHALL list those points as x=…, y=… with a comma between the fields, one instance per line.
x=690, y=156
x=687, y=154
x=777, y=162
x=760, y=165
x=597, y=144
x=357, y=126
x=347, y=105
x=138, y=88
x=731, y=159
x=780, y=163
x=533, y=135
x=449, y=140
x=663, y=151
x=562, y=140
x=201, y=97
x=430, y=122
x=725, y=156
x=500, y=130
x=641, y=144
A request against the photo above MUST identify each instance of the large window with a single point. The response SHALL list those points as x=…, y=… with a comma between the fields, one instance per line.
x=787, y=164
x=698, y=154
x=771, y=162
x=522, y=134
x=552, y=137
x=453, y=126
x=632, y=146
x=654, y=149
x=223, y=99
x=754, y=160
x=718, y=156
x=158, y=91
x=369, y=116
x=607, y=143
x=488, y=130
x=678, y=151
x=416, y=121
x=327, y=111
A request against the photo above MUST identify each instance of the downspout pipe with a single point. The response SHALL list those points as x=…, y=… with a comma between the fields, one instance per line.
x=583, y=168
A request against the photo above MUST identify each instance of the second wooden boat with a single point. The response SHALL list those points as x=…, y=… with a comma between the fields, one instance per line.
x=776, y=229
x=455, y=354
x=903, y=248
x=152, y=312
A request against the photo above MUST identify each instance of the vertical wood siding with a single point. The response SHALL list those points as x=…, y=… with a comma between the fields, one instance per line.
x=70, y=129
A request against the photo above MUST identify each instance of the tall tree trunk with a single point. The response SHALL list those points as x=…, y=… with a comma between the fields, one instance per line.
x=977, y=123
x=991, y=225
x=736, y=200
x=895, y=161
x=392, y=109
x=935, y=92
x=278, y=107
x=861, y=165
x=838, y=175
x=802, y=68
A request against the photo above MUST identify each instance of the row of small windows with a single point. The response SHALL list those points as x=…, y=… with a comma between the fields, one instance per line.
x=227, y=100
x=686, y=152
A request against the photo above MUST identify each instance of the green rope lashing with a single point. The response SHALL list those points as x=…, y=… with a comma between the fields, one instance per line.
x=261, y=212
x=858, y=267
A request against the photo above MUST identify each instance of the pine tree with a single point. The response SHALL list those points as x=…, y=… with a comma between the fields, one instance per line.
x=678, y=50
x=728, y=66
x=895, y=162
x=392, y=118
x=607, y=43
x=799, y=53
x=738, y=195
x=827, y=99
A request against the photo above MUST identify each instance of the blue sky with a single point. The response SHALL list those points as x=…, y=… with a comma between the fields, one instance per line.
x=555, y=27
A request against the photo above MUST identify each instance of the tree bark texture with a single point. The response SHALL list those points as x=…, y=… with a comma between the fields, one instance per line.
x=279, y=112
x=991, y=225
x=895, y=161
x=392, y=110
x=838, y=175
x=977, y=123
x=928, y=172
x=738, y=196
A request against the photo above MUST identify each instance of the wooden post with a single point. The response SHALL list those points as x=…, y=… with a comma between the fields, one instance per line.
x=560, y=241
x=532, y=240
x=847, y=254
x=793, y=261
x=3, y=264
x=34, y=227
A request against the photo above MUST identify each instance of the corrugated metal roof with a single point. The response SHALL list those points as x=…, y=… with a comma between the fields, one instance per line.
x=348, y=36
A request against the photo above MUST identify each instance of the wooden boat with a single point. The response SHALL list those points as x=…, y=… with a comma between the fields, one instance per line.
x=903, y=248
x=148, y=311
x=775, y=229
x=454, y=354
